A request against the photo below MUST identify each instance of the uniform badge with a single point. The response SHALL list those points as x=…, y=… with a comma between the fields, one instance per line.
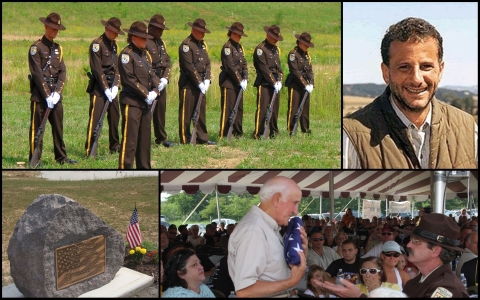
x=227, y=51
x=292, y=56
x=186, y=48
x=441, y=292
x=95, y=47
x=125, y=58
x=33, y=50
x=259, y=52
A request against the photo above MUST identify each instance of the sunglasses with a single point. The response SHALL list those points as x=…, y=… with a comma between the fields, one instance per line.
x=371, y=271
x=318, y=239
x=387, y=233
x=395, y=254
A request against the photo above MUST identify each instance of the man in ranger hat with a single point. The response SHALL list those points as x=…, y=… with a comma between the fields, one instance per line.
x=299, y=81
x=233, y=77
x=195, y=75
x=48, y=74
x=266, y=60
x=161, y=65
x=106, y=80
x=432, y=246
x=139, y=89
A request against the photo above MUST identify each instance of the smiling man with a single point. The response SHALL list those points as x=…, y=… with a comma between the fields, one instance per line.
x=407, y=127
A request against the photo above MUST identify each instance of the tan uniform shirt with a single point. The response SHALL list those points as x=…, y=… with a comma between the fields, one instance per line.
x=255, y=250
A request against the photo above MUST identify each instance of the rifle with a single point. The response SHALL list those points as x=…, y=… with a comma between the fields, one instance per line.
x=298, y=113
x=34, y=161
x=196, y=116
x=233, y=115
x=98, y=130
x=268, y=116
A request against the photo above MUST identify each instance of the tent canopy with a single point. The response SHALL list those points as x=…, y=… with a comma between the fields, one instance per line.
x=379, y=185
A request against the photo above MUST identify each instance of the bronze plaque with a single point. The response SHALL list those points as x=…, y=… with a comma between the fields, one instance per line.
x=80, y=261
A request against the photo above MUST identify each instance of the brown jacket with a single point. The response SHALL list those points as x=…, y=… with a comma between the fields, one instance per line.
x=136, y=82
x=380, y=137
x=234, y=65
x=161, y=60
x=266, y=60
x=38, y=56
x=194, y=63
x=300, y=68
x=103, y=62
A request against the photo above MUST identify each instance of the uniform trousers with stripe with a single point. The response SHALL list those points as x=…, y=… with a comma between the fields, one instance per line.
x=228, y=99
x=136, y=137
x=186, y=108
x=264, y=96
x=294, y=99
x=159, y=117
x=55, y=118
x=113, y=118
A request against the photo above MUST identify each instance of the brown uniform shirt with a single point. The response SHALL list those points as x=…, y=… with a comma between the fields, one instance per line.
x=38, y=56
x=103, y=62
x=234, y=65
x=300, y=69
x=194, y=62
x=160, y=58
x=136, y=81
x=266, y=60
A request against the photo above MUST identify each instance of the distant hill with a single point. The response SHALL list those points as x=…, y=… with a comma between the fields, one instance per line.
x=372, y=90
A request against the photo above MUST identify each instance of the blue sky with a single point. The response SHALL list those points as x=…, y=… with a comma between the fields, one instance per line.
x=364, y=25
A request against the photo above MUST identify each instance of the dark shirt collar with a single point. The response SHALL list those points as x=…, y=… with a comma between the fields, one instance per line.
x=268, y=44
x=136, y=49
x=235, y=44
x=194, y=39
x=107, y=42
x=300, y=50
x=47, y=42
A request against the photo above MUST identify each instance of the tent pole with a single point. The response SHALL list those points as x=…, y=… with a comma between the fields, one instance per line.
x=321, y=216
x=218, y=206
x=331, y=196
x=195, y=208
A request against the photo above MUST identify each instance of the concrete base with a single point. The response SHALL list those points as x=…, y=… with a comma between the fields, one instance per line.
x=125, y=284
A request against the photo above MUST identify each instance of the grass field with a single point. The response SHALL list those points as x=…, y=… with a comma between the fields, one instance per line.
x=111, y=200
x=20, y=27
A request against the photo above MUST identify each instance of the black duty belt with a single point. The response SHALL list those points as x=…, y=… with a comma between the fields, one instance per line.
x=51, y=80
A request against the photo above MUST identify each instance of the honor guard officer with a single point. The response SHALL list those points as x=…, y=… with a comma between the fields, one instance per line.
x=139, y=89
x=233, y=77
x=299, y=81
x=161, y=65
x=104, y=84
x=194, y=79
x=48, y=74
x=266, y=60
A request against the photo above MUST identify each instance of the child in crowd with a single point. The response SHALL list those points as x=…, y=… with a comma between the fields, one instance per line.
x=313, y=289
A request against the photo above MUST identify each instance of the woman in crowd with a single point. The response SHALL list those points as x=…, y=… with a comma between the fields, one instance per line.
x=194, y=239
x=403, y=265
x=348, y=217
x=184, y=277
x=328, y=233
x=315, y=271
x=339, y=239
x=372, y=276
x=390, y=256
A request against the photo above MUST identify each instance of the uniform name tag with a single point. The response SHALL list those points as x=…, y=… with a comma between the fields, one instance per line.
x=441, y=292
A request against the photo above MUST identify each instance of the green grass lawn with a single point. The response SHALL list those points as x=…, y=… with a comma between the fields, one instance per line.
x=20, y=27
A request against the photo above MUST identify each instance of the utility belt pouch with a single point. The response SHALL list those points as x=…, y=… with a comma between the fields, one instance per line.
x=183, y=79
x=222, y=76
x=32, y=84
x=91, y=83
x=258, y=80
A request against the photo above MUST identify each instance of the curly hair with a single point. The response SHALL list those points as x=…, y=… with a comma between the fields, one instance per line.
x=178, y=262
x=410, y=29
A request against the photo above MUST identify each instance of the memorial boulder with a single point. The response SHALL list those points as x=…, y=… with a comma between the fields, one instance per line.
x=61, y=249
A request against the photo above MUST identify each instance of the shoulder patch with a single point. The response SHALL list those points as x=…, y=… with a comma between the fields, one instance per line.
x=441, y=292
x=125, y=58
x=292, y=56
x=185, y=48
x=259, y=51
x=95, y=47
x=33, y=50
x=227, y=51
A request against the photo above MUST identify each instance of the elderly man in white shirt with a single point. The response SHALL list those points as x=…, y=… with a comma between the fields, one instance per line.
x=471, y=250
x=256, y=260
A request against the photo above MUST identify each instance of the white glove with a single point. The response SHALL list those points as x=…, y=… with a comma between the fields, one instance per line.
x=202, y=88
x=277, y=86
x=50, y=101
x=151, y=96
x=114, y=90
x=109, y=95
x=162, y=85
x=55, y=97
x=309, y=88
x=243, y=84
x=207, y=84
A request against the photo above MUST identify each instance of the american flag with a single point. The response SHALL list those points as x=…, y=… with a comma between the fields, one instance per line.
x=134, y=236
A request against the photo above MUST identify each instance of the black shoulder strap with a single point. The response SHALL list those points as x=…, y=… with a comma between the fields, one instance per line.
x=49, y=58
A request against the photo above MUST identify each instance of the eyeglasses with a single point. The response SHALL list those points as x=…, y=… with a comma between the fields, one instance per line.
x=387, y=233
x=318, y=239
x=395, y=254
x=414, y=240
x=371, y=271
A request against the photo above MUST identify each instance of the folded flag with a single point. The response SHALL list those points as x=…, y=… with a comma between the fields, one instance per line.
x=292, y=241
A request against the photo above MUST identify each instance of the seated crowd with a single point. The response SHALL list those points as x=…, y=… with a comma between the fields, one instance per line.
x=371, y=254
